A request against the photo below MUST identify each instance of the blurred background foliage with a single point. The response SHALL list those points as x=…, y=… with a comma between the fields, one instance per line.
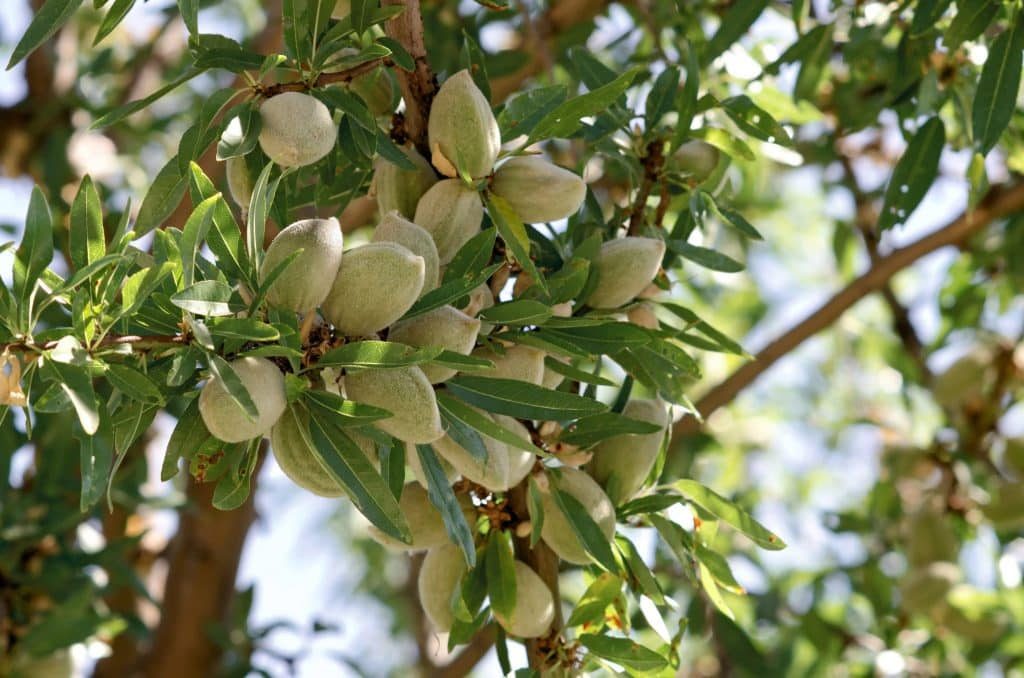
x=887, y=450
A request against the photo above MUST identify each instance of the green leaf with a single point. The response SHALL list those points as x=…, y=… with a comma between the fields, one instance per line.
x=996, y=96
x=661, y=97
x=233, y=488
x=599, y=339
x=122, y=112
x=521, y=399
x=233, y=385
x=96, y=462
x=76, y=383
x=735, y=23
x=730, y=513
x=514, y=234
x=378, y=354
x=586, y=530
x=117, y=12
x=445, y=501
x=972, y=17
x=724, y=142
x=190, y=15
x=639, y=571
x=215, y=51
x=263, y=193
x=224, y=237
x=50, y=17
x=360, y=14
x=521, y=115
x=472, y=257
x=565, y=119
x=245, y=329
x=162, y=198
x=35, y=251
x=575, y=374
x=188, y=437
x=207, y=298
x=589, y=431
x=518, y=312
x=598, y=596
x=472, y=58
x=501, y=573
x=343, y=412
x=755, y=121
x=86, y=238
x=624, y=652
x=134, y=384
x=450, y=291
x=193, y=235
x=927, y=14
x=708, y=258
x=456, y=409
x=466, y=437
x=535, y=505
x=240, y=142
x=348, y=466
x=913, y=175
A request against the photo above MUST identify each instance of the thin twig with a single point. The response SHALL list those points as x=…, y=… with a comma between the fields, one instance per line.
x=1000, y=202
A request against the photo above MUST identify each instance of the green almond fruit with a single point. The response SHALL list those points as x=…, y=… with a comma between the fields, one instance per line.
x=452, y=213
x=519, y=362
x=556, y=530
x=226, y=420
x=407, y=394
x=305, y=283
x=625, y=267
x=393, y=227
x=440, y=575
x=401, y=189
x=447, y=327
x=629, y=458
x=297, y=129
x=375, y=285
x=464, y=134
x=538, y=190
x=535, y=606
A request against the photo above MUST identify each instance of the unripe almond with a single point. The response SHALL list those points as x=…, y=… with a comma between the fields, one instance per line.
x=695, y=158
x=375, y=285
x=412, y=459
x=425, y=523
x=342, y=8
x=520, y=462
x=290, y=442
x=492, y=472
x=440, y=575
x=643, y=315
x=462, y=128
x=538, y=190
x=554, y=379
x=481, y=298
x=447, y=327
x=304, y=284
x=401, y=189
x=297, y=129
x=535, y=606
x=395, y=228
x=625, y=267
x=452, y=214
x=240, y=181
x=225, y=419
x=629, y=458
x=406, y=393
x=556, y=531
x=524, y=363
x=376, y=89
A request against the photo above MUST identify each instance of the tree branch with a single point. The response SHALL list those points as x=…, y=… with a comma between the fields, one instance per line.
x=1000, y=202
x=419, y=86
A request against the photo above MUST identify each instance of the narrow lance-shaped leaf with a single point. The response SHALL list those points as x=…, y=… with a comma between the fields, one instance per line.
x=914, y=174
x=347, y=465
x=501, y=573
x=35, y=251
x=730, y=513
x=586, y=530
x=86, y=238
x=521, y=399
x=444, y=500
x=50, y=17
x=996, y=96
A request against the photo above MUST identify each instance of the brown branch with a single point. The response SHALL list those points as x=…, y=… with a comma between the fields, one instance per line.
x=324, y=79
x=544, y=562
x=200, y=584
x=418, y=86
x=653, y=161
x=1000, y=202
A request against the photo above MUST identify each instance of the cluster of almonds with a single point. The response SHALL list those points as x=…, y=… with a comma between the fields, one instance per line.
x=367, y=290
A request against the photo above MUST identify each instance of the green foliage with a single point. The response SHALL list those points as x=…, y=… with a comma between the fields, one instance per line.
x=99, y=341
